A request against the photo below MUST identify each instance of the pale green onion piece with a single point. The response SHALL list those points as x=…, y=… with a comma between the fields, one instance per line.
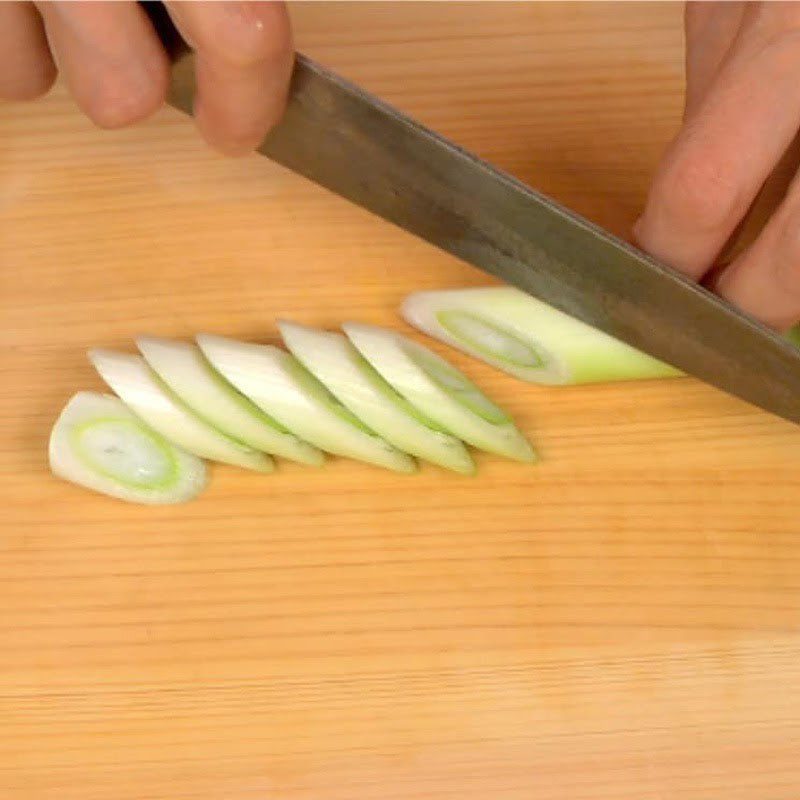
x=99, y=444
x=188, y=374
x=151, y=400
x=527, y=338
x=794, y=335
x=332, y=359
x=278, y=384
x=439, y=391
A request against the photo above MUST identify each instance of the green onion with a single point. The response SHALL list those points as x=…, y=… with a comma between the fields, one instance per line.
x=281, y=387
x=98, y=443
x=333, y=360
x=371, y=395
x=439, y=391
x=188, y=374
x=526, y=338
x=151, y=400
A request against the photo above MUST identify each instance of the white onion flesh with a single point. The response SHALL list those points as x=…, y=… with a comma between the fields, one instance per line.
x=526, y=338
x=279, y=385
x=439, y=391
x=183, y=368
x=147, y=396
x=99, y=444
x=332, y=359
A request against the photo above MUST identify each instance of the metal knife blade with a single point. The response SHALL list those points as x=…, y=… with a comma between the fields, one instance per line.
x=357, y=146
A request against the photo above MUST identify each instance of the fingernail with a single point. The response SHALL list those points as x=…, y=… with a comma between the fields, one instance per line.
x=221, y=141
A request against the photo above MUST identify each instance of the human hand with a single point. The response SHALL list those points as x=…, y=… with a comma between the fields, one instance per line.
x=118, y=73
x=742, y=113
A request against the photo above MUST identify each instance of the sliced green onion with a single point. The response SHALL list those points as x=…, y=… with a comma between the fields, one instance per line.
x=332, y=359
x=278, y=384
x=151, y=400
x=794, y=335
x=188, y=374
x=98, y=443
x=526, y=338
x=439, y=391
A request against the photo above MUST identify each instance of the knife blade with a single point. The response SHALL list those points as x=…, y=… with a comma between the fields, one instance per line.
x=361, y=148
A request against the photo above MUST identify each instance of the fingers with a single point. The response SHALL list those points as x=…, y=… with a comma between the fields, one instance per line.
x=243, y=62
x=764, y=280
x=26, y=68
x=711, y=28
x=117, y=70
x=714, y=169
x=110, y=57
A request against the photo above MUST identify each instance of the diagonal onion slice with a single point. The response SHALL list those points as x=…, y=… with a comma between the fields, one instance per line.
x=279, y=385
x=99, y=444
x=187, y=372
x=332, y=359
x=147, y=396
x=439, y=391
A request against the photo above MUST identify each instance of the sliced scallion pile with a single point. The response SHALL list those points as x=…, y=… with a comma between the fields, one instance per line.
x=370, y=395
x=187, y=372
x=439, y=391
x=285, y=390
x=334, y=361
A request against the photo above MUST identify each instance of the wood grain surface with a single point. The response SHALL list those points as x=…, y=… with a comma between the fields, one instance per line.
x=618, y=621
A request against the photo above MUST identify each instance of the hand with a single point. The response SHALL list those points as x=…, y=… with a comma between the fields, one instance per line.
x=118, y=72
x=742, y=113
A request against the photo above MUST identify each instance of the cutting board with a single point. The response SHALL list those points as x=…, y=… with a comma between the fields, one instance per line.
x=618, y=621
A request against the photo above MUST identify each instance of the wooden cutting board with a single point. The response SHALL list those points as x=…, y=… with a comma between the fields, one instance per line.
x=618, y=621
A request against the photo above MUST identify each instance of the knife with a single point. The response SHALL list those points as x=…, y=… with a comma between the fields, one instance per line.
x=359, y=147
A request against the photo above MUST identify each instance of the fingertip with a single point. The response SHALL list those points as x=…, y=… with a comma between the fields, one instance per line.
x=645, y=235
x=243, y=63
x=233, y=111
x=35, y=84
x=111, y=59
x=117, y=106
x=223, y=139
x=764, y=280
x=27, y=70
x=125, y=98
x=232, y=142
x=225, y=146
